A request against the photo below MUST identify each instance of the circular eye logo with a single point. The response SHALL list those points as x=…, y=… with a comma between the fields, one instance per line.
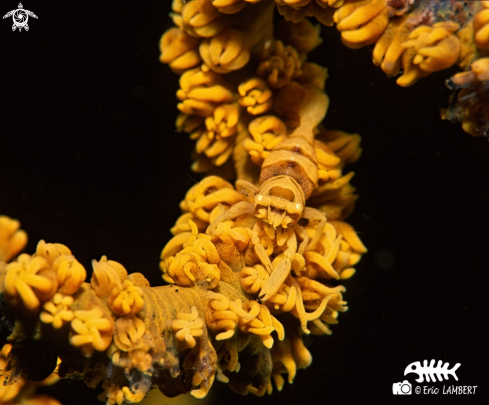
x=20, y=17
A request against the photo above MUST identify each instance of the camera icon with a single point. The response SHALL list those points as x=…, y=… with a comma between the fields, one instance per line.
x=403, y=388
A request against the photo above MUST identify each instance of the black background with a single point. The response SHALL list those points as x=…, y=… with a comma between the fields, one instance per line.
x=89, y=158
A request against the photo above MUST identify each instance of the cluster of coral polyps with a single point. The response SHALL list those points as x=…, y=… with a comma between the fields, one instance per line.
x=242, y=294
x=410, y=38
x=251, y=268
x=250, y=272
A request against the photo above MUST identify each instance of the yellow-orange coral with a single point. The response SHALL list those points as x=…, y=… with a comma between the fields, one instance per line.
x=127, y=300
x=361, y=22
x=216, y=142
x=255, y=96
x=296, y=10
x=204, y=197
x=57, y=311
x=179, y=50
x=91, y=330
x=197, y=261
x=201, y=18
x=345, y=146
x=303, y=36
x=70, y=273
x=107, y=276
x=472, y=105
x=187, y=327
x=129, y=330
x=225, y=51
x=249, y=267
x=12, y=239
x=279, y=64
x=479, y=72
x=230, y=6
x=253, y=278
x=389, y=47
x=201, y=92
x=262, y=324
x=433, y=48
x=481, y=27
x=288, y=356
x=219, y=317
x=266, y=132
x=28, y=282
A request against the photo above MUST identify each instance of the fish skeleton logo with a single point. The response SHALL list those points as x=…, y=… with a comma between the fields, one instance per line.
x=430, y=371
x=20, y=17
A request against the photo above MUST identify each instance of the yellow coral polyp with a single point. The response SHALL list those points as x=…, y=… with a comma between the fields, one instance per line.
x=262, y=323
x=200, y=18
x=107, y=276
x=219, y=317
x=70, y=273
x=481, y=27
x=388, y=49
x=296, y=10
x=322, y=264
x=187, y=269
x=196, y=262
x=437, y=48
x=51, y=251
x=126, y=301
x=283, y=300
x=335, y=252
x=279, y=64
x=28, y=282
x=216, y=142
x=479, y=72
x=253, y=278
x=114, y=395
x=328, y=163
x=313, y=75
x=203, y=197
x=267, y=132
x=361, y=22
x=91, y=329
x=344, y=145
x=201, y=92
x=291, y=13
x=188, y=123
x=226, y=51
x=12, y=239
x=288, y=356
x=303, y=36
x=57, y=311
x=255, y=96
x=179, y=49
x=187, y=327
x=224, y=120
x=229, y=6
x=176, y=14
x=128, y=333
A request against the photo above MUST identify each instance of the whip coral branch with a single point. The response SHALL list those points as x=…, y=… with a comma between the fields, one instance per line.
x=251, y=268
x=419, y=36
